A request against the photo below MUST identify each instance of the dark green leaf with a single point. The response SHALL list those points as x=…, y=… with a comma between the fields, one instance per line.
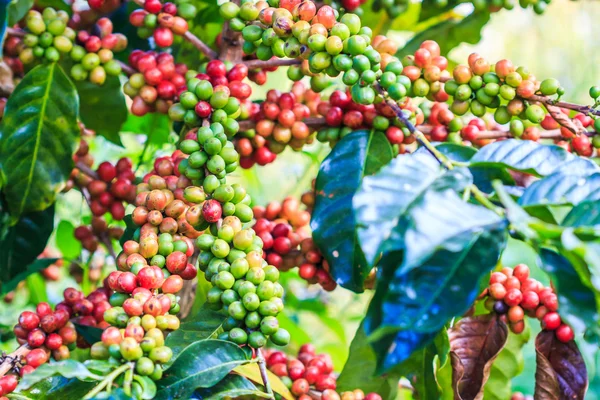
x=360, y=370
x=455, y=152
x=203, y=325
x=66, y=242
x=56, y=4
x=527, y=156
x=17, y=10
x=200, y=365
x=416, y=296
x=430, y=9
x=565, y=186
x=39, y=134
x=231, y=387
x=91, y=334
x=130, y=229
x=583, y=214
x=65, y=368
x=450, y=33
x=357, y=155
x=56, y=387
x=578, y=303
x=148, y=387
x=384, y=199
x=560, y=372
x=4, y=16
x=36, y=266
x=22, y=243
x=507, y=365
x=103, y=108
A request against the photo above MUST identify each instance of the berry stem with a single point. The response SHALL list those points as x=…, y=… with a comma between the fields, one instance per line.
x=15, y=32
x=200, y=45
x=565, y=104
x=262, y=366
x=86, y=170
x=274, y=62
x=231, y=47
x=9, y=360
x=107, y=382
x=443, y=160
x=102, y=236
x=126, y=68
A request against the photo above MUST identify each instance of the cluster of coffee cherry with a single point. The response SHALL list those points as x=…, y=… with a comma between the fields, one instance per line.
x=93, y=55
x=311, y=372
x=162, y=21
x=157, y=83
x=90, y=236
x=51, y=333
x=47, y=36
x=513, y=294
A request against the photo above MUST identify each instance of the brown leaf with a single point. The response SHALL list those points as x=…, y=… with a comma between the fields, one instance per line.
x=563, y=119
x=561, y=373
x=474, y=344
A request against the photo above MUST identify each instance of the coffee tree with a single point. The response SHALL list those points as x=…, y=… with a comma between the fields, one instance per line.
x=458, y=202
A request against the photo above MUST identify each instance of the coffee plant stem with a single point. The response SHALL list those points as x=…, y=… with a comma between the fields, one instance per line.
x=107, y=382
x=15, y=32
x=565, y=104
x=262, y=366
x=200, y=45
x=10, y=359
x=126, y=68
x=275, y=62
x=103, y=237
x=86, y=170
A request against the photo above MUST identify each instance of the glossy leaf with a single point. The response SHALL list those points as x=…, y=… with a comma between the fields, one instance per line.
x=36, y=266
x=148, y=387
x=22, y=243
x=130, y=228
x=508, y=364
x=583, y=214
x=65, y=368
x=103, y=108
x=359, y=154
x=154, y=125
x=417, y=297
x=527, y=156
x=450, y=33
x=4, y=11
x=56, y=4
x=17, y=10
x=200, y=365
x=475, y=342
x=57, y=387
x=201, y=326
x=39, y=134
x=385, y=200
x=578, y=303
x=454, y=151
x=565, y=186
x=232, y=386
x=360, y=370
x=560, y=372
x=252, y=372
x=66, y=242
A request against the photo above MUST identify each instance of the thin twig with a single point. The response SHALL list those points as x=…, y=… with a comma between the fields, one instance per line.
x=103, y=236
x=15, y=32
x=231, y=46
x=126, y=68
x=262, y=366
x=200, y=45
x=565, y=104
x=273, y=62
x=86, y=170
x=9, y=360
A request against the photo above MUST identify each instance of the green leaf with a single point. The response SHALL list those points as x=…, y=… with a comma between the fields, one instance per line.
x=455, y=152
x=415, y=291
x=36, y=266
x=39, y=134
x=17, y=10
x=56, y=4
x=583, y=214
x=65, y=368
x=252, y=372
x=507, y=365
x=530, y=157
x=386, y=199
x=232, y=386
x=578, y=303
x=148, y=386
x=103, y=108
x=4, y=15
x=55, y=387
x=565, y=186
x=203, y=325
x=66, y=242
x=130, y=228
x=449, y=33
x=22, y=243
x=360, y=370
x=201, y=365
x=36, y=285
x=357, y=155
x=91, y=334
x=154, y=125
